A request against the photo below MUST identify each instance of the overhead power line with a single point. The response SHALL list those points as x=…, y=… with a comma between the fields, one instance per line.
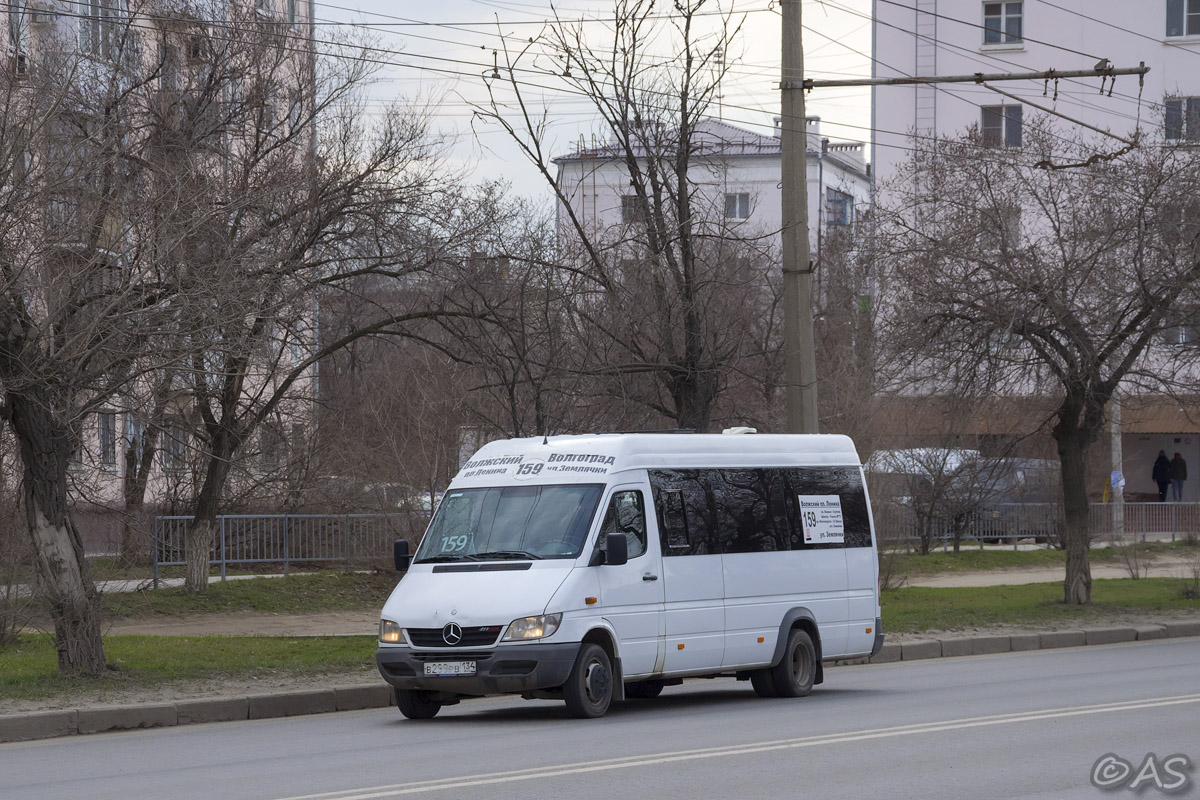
x=979, y=77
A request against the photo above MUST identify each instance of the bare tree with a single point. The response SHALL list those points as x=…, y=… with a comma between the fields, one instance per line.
x=286, y=196
x=660, y=289
x=79, y=297
x=1012, y=275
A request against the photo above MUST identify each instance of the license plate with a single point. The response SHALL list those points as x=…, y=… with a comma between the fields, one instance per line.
x=450, y=668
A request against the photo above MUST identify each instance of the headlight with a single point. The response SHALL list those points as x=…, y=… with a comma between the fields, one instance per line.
x=389, y=632
x=532, y=627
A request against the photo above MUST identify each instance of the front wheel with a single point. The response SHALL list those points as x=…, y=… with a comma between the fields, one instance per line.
x=793, y=676
x=417, y=704
x=589, y=689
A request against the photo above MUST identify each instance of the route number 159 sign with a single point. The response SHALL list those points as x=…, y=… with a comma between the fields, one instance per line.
x=821, y=516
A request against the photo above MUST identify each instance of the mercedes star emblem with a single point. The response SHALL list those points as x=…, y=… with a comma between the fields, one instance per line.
x=452, y=633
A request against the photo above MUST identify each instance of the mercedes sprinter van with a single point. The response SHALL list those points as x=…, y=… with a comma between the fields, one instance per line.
x=595, y=568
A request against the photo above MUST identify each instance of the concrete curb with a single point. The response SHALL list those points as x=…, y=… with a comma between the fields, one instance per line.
x=96, y=719
x=989, y=644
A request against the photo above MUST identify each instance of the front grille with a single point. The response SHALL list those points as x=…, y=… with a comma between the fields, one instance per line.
x=481, y=636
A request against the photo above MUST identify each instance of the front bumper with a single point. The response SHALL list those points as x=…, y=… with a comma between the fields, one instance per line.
x=501, y=670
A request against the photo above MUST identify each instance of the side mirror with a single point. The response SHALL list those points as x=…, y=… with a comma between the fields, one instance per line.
x=400, y=555
x=616, y=549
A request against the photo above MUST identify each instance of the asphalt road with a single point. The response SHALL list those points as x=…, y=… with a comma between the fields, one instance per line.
x=1012, y=725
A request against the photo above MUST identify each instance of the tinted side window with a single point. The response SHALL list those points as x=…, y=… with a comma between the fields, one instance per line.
x=672, y=524
x=687, y=509
x=752, y=510
x=846, y=483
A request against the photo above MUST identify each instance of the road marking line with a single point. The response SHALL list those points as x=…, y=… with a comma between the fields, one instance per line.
x=461, y=782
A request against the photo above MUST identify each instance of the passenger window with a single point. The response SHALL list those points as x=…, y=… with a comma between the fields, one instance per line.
x=846, y=482
x=753, y=514
x=626, y=514
x=672, y=524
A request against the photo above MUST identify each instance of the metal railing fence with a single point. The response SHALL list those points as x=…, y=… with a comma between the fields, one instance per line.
x=1011, y=523
x=286, y=538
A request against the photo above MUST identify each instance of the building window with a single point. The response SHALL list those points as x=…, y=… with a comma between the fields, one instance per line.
x=108, y=438
x=999, y=230
x=839, y=208
x=135, y=431
x=737, y=205
x=1002, y=22
x=292, y=15
x=1183, y=17
x=18, y=19
x=174, y=447
x=100, y=27
x=1001, y=126
x=271, y=446
x=1181, y=329
x=1181, y=117
x=632, y=209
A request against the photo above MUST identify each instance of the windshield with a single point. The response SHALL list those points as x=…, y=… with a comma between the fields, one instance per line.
x=511, y=522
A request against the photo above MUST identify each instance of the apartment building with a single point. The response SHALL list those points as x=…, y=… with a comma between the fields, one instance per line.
x=964, y=37
x=737, y=176
x=203, y=83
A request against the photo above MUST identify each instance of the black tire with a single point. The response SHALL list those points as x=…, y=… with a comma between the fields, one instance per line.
x=589, y=689
x=793, y=676
x=763, y=683
x=417, y=704
x=643, y=690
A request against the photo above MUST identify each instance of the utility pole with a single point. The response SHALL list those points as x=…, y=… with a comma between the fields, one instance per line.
x=800, y=361
x=1118, y=472
x=800, y=370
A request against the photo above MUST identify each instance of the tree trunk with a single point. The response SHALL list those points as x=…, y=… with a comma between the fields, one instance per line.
x=693, y=396
x=138, y=464
x=200, y=532
x=1072, y=452
x=64, y=576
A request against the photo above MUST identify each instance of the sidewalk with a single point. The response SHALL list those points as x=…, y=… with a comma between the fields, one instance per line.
x=1164, y=568
x=136, y=585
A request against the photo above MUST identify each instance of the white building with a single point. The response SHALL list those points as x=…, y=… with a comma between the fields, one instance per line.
x=737, y=173
x=963, y=37
x=168, y=49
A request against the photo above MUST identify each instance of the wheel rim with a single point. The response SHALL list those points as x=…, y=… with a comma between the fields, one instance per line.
x=800, y=665
x=597, y=682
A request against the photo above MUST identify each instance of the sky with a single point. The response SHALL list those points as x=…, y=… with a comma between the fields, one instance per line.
x=419, y=43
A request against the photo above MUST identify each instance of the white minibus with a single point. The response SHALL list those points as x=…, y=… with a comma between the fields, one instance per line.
x=596, y=568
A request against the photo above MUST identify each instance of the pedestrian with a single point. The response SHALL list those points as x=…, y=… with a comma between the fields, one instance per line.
x=1162, y=474
x=1178, y=476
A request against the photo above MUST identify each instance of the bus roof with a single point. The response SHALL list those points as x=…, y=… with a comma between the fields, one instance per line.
x=592, y=458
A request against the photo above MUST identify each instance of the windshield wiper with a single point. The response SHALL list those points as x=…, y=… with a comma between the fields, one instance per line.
x=502, y=554
x=440, y=559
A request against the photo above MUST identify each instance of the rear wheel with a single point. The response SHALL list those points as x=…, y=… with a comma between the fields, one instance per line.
x=643, y=690
x=589, y=689
x=417, y=704
x=793, y=676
